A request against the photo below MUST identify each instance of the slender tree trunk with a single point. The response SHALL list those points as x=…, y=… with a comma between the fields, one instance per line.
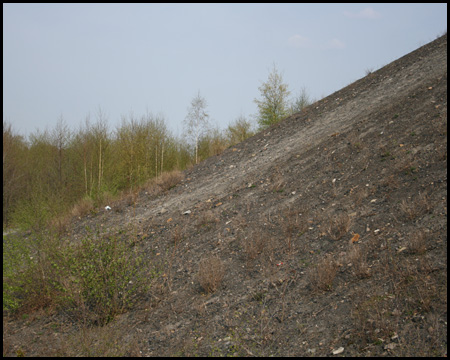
x=156, y=160
x=100, y=165
x=162, y=157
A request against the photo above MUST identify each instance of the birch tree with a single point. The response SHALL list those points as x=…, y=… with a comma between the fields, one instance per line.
x=196, y=121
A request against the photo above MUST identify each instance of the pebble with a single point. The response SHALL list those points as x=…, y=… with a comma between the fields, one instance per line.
x=338, y=351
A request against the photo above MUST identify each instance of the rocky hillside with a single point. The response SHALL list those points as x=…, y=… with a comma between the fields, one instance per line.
x=323, y=235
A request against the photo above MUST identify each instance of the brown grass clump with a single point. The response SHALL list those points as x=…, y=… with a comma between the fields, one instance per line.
x=162, y=183
x=83, y=207
x=338, y=226
x=169, y=180
x=210, y=273
x=294, y=225
x=418, y=242
x=358, y=260
x=413, y=208
x=206, y=219
x=323, y=275
x=253, y=245
x=98, y=341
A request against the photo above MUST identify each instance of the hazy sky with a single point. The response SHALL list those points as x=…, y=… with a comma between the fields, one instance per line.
x=71, y=59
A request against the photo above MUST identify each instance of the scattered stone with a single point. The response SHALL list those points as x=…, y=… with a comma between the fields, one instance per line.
x=390, y=346
x=338, y=351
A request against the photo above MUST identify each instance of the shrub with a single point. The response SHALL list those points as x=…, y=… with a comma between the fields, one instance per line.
x=91, y=281
x=101, y=277
x=27, y=271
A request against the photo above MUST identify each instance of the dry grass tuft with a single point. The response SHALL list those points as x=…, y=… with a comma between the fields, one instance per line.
x=164, y=182
x=323, y=274
x=418, y=242
x=412, y=209
x=338, y=226
x=210, y=273
x=358, y=260
x=253, y=245
x=206, y=219
x=169, y=180
x=83, y=207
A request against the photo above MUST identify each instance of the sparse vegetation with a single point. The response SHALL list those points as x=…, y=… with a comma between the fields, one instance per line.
x=338, y=226
x=256, y=252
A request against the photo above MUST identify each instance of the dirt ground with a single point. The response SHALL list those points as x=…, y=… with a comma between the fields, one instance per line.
x=331, y=228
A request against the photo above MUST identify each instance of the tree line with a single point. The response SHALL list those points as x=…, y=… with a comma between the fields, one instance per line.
x=45, y=175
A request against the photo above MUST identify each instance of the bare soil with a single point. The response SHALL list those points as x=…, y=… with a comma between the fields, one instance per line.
x=331, y=228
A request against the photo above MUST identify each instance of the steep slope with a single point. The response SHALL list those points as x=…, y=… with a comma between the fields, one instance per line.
x=331, y=228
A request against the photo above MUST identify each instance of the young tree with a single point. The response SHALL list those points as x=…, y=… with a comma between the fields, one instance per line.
x=14, y=165
x=197, y=121
x=240, y=130
x=300, y=102
x=60, y=138
x=274, y=103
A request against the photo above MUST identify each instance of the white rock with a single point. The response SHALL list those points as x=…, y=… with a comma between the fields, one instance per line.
x=338, y=351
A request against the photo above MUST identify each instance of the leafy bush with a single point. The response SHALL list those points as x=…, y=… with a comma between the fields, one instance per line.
x=102, y=277
x=27, y=279
x=91, y=281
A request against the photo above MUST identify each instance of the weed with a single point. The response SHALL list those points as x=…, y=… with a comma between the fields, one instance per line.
x=83, y=207
x=418, y=242
x=412, y=209
x=206, y=219
x=323, y=274
x=360, y=195
x=253, y=245
x=210, y=273
x=277, y=182
x=169, y=180
x=369, y=71
x=163, y=183
x=338, y=226
x=98, y=341
x=358, y=259
x=294, y=225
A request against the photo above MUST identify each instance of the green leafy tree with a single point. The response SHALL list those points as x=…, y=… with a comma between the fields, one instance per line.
x=273, y=105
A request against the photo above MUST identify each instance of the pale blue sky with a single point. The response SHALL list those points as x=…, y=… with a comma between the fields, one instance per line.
x=71, y=59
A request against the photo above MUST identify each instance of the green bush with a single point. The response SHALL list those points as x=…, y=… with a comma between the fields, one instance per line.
x=91, y=281
x=16, y=257
x=27, y=275
x=101, y=277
